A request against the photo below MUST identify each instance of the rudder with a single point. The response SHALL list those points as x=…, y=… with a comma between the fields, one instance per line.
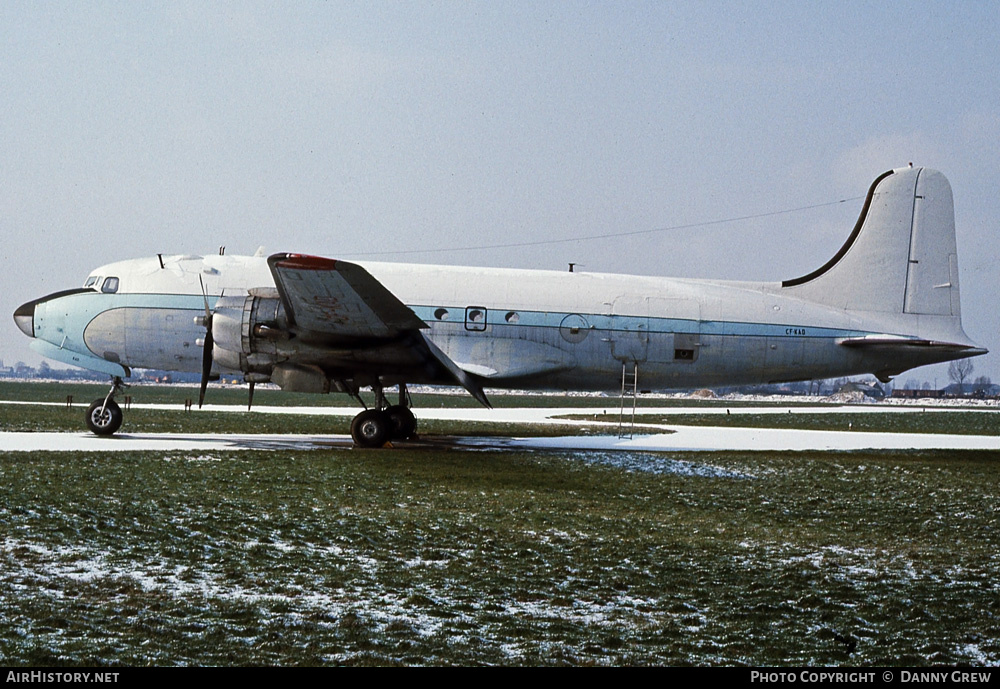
x=932, y=270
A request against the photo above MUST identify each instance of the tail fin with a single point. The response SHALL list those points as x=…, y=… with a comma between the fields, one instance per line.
x=901, y=256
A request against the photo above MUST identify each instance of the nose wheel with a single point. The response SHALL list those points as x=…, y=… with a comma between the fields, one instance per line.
x=104, y=416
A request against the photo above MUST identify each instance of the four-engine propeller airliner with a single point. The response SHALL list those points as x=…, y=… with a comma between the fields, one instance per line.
x=886, y=302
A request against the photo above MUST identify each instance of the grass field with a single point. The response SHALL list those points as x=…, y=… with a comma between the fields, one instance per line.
x=428, y=557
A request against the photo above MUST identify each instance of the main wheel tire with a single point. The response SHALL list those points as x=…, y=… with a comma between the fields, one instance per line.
x=402, y=422
x=105, y=423
x=371, y=428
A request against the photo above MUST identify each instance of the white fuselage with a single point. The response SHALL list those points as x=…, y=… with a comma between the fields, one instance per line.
x=510, y=328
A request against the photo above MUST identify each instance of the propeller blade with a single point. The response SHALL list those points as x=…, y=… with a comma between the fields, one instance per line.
x=250, y=401
x=206, y=355
x=206, y=364
x=204, y=296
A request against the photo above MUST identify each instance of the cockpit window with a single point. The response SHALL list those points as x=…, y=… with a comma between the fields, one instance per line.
x=110, y=285
x=91, y=281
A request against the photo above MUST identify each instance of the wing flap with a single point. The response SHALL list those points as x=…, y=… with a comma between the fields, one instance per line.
x=463, y=378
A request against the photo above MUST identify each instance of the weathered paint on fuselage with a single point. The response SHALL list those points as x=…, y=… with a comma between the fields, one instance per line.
x=513, y=328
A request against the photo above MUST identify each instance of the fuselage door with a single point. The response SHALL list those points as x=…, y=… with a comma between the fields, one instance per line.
x=630, y=331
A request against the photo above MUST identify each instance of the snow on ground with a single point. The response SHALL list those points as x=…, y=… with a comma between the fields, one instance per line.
x=713, y=438
x=664, y=437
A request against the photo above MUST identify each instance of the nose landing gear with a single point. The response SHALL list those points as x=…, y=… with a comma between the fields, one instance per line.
x=104, y=416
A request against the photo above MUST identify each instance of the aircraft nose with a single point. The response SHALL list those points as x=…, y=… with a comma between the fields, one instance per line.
x=24, y=316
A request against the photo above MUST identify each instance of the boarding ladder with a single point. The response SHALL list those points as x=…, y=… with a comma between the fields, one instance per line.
x=630, y=390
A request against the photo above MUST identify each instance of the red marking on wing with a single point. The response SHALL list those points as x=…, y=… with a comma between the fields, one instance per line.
x=303, y=262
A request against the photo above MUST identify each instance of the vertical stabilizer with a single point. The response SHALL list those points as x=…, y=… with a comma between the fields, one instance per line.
x=901, y=256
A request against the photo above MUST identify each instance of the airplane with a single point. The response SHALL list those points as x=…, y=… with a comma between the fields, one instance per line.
x=886, y=302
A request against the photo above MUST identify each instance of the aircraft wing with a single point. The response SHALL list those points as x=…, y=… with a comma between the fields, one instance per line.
x=338, y=299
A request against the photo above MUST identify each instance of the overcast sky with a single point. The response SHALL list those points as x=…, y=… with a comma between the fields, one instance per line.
x=361, y=129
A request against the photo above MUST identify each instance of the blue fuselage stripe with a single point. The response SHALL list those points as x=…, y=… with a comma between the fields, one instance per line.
x=534, y=319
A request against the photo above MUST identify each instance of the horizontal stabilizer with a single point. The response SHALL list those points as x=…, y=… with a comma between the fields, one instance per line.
x=895, y=341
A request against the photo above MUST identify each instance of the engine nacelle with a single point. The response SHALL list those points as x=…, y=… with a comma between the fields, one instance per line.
x=246, y=331
x=300, y=378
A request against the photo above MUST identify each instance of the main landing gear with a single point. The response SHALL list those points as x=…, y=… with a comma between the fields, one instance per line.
x=375, y=427
x=371, y=428
x=104, y=416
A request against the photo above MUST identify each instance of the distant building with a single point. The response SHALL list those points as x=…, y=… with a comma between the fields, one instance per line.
x=976, y=390
x=913, y=394
x=872, y=391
